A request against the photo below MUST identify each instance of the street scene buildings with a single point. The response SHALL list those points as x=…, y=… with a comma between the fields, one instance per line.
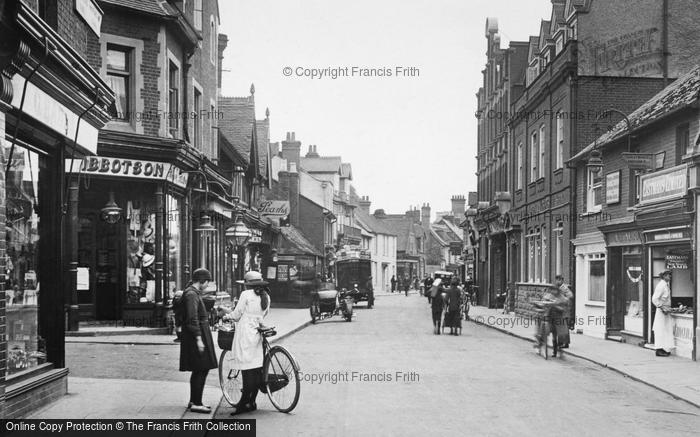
x=138, y=170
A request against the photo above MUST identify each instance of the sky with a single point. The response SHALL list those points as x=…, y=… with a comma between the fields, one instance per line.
x=409, y=133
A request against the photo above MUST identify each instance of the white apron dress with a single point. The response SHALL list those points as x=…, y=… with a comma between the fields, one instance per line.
x=247, y=347
x=663, y=323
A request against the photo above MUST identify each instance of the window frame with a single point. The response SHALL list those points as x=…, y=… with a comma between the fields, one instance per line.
x=519, y=183
x=682, y=142
x=534, y=157
x=560, y=141
x=591, y=187
x=590, y=259
x=173, y=107
x=198, y=15
x=126, y=74
x=543, y=151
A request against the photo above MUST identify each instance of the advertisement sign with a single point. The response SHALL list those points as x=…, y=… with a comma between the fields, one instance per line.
x=278, y=208
x=127, y=168
x=664, y=185
x=677, y=262
x=638, y=161
x=612, y=188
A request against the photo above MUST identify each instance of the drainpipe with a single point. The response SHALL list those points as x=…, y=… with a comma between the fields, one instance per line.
x=573, y=179
x=665, y=54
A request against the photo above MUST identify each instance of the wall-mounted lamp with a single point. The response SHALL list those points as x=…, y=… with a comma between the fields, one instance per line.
x=205, y=226
x=504, y=201
x=111, y=213
x=238, y=234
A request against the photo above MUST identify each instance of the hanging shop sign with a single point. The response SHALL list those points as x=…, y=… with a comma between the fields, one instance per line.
x=255, y=236
x=127, y=168
x=612, y=188
x=91, y=13
x=677, y=262
x=664, y=185
x=279, y=208
x=638, y=161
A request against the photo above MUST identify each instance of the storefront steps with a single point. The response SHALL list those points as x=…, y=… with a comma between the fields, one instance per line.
x=94, y=330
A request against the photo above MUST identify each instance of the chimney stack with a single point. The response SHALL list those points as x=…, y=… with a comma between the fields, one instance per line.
x=365, y=204
x=425, y=216
x=289, y=182
x=291, y=149
x=458, y=205
x=312, y=152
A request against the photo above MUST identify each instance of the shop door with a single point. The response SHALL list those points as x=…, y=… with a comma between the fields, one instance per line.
x=108, y=271
x=616, y=292
x=498, y=274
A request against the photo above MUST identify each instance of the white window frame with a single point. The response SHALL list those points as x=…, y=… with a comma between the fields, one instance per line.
x=559, y=248
x=197, y=120
x=172, y=59
x=534, y=157
x=560, y=141
x=591, y=188
x=543, y=256
x=519, y=183
x=543, y=151
x=590, y=258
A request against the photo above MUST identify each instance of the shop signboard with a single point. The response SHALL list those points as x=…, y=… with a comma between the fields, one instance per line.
x=127, y=168
x=624, y=238
x=612, y=188
x=669, y=235
x=255, y=236
x=638, y=161
x=677, y=262
x=282, y=272
x=275, y=208
x=91, y=13
x=664, y=185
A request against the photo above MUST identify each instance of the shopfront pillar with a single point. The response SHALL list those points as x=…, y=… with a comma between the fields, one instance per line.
x=73, y=310
x=160, y=201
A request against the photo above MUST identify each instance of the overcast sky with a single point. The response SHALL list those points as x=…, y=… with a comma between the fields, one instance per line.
x=410, y=139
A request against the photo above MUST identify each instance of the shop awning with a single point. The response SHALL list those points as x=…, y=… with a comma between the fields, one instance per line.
x=293, y=242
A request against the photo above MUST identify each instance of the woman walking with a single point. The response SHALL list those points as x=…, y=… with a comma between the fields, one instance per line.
x=252, y=307
x=437, y=305
x=197, y=353
x=453, y=317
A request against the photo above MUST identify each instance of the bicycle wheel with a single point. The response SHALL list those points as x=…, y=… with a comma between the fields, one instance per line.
x=281, y=379
x=230, y=379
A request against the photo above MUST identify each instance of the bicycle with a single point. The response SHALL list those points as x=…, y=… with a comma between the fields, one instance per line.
x=281, y=380
x=545, y=331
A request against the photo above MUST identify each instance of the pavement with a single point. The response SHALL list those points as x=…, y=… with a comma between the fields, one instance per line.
x=675, y=376
x=119, y=398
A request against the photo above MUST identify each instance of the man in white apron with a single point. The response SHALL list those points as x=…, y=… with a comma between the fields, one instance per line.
x=663, y=322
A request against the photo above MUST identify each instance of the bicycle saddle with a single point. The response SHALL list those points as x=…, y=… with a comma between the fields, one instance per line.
x=267, y=331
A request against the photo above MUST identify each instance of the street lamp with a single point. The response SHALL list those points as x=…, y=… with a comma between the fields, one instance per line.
x=111, y=213
x=238, y=234
x=595, y=159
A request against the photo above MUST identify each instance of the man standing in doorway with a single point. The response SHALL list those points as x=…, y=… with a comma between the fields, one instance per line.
x=663, y=323
x=566, y=292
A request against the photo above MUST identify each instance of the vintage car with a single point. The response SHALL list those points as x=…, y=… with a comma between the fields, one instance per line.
x=328, y=302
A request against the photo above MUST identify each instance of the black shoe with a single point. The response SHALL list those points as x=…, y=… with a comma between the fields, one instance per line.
x=662, y=353
x=243, y=408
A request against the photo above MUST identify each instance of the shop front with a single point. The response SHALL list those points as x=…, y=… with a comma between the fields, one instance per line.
x=670, y=249
x=625, y=288
x=129, y=263
x=294, y=268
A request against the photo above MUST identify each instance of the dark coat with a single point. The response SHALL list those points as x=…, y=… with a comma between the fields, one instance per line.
x=195, y=322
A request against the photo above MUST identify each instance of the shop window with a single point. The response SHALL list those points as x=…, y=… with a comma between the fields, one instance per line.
x=633, y=281
x=594, y=191
x=173, y=245
x=173, y=99
x=119, y=79
x=141, y=245
x=25, y=348
x=534, y=255
x=596, y=278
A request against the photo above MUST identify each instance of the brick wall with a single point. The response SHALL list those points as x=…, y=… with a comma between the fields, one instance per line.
x=25, y=403
x=311, y=222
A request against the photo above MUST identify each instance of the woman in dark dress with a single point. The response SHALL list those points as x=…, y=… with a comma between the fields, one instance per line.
x=452, y=317
x=197, y=352
x=437, y=305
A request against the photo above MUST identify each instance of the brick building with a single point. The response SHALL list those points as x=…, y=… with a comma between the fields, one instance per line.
x=648, y=222
x=57, y=115
x=589, y=56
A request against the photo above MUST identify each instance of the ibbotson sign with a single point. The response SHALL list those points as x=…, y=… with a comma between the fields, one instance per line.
x=128, y=168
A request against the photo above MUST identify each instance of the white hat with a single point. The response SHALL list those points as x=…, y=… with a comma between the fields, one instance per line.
x=253, y=278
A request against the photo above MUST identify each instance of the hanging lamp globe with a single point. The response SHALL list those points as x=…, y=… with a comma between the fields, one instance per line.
x=205, y=225
x=238, y=233
x=111, y=213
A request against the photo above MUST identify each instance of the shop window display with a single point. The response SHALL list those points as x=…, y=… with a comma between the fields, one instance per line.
x=25, y=348
x=141, y=238
x=173, y=244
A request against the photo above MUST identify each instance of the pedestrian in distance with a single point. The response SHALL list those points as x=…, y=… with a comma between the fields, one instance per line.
x=197, y=354
x=393, y=283
x=663, y=322
x=247, y=349
x=370, y=292
x=437, y=304
x=453, y=318
x=566, y=315
x=427, y=284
